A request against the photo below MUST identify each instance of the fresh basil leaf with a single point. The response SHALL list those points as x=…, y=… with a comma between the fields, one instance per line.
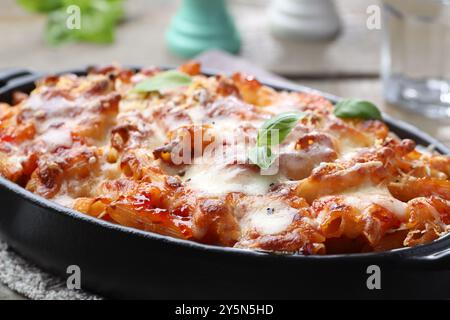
x=56, y=31
x=111, y=8
x=262, y=156
x=283, y=122
x=355, y=108
x=98, y=21
x=41, y=6
x=163, y=81
x=96, y=27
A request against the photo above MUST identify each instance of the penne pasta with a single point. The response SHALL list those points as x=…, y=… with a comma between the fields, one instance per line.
x=223, y=160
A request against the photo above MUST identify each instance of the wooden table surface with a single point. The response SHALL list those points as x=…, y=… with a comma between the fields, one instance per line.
x=140, y=40
x=347, y=66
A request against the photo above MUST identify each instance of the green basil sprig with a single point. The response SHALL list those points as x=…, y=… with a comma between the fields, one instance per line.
x=262, y=156
x=355, y=108
x=41, y=5
x=163, y=81
x=98, y=19
x=283, y=123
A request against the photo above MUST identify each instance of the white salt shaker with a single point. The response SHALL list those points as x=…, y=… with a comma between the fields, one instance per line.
x=304, y=19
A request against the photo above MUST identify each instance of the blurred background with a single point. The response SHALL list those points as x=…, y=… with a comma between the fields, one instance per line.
x=337, y=46
x=346, y=65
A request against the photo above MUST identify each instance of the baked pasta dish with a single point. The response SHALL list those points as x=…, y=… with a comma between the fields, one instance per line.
x=183, y=154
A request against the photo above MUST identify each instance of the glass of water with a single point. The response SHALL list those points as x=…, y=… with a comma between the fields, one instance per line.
x=416, y=55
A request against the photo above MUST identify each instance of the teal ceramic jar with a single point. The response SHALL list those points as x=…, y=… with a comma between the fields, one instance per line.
x=200, y=25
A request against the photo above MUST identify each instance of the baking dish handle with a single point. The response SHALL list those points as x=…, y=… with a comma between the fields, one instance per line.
x=436, y=261
x=14, y=78
x=7, y=75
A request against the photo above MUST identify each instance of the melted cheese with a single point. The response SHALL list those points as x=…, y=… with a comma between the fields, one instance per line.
x=214, y=179
x=364, y=197
x=348, y=148
x=266, y=216
x=197, y=114
x=55, y=138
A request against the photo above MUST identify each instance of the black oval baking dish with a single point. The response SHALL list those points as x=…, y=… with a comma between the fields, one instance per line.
x=120, y=262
